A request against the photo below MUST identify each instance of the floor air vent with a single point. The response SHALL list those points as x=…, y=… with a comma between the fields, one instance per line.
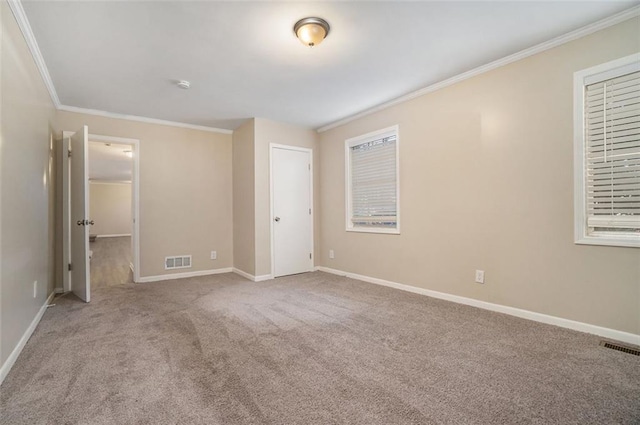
x=618, y=347
x=180, y=262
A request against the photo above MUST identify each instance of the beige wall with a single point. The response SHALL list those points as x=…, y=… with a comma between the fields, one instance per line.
x=26, y=171
x=267, y=132
x=185, y=190
x=110, y=208
x=251, y=189
x=486, y=176
x=244, y=255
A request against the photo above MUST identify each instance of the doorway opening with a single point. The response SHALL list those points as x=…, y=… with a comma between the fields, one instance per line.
x=111, y=213
x=119, y=253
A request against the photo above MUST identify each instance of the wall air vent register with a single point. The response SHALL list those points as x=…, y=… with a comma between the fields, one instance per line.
x=179, y=262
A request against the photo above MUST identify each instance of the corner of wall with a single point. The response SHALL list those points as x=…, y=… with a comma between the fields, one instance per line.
x=243, y=182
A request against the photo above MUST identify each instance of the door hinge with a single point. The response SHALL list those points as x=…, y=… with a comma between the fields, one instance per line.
x=309, y=256
x=309, y=167
x=309, y=211
x=70, y=267
x=69, y=154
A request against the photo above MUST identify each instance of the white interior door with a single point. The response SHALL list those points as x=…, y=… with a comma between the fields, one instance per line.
x=79, y=194
x=292, y=206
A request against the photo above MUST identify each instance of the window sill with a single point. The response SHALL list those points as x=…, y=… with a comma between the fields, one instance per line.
x=625, y=242
x=366, y=230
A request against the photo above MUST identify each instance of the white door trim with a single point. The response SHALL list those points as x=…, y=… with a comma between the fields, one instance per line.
x=66, y=212
x=273, y=146
x=135, y=186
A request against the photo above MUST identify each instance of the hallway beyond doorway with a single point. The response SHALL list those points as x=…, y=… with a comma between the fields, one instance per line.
x=110, y=261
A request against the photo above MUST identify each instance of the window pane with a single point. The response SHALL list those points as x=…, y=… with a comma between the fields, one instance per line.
x=373, y=180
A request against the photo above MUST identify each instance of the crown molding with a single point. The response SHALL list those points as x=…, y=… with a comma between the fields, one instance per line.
x=25, y=28
x=539, y=48
x=147, y=120
x=27, y=33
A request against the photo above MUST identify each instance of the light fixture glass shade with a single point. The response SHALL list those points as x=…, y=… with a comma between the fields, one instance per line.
x=311, y=31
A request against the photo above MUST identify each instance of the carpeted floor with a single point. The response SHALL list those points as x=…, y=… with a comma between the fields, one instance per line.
x=307, y=349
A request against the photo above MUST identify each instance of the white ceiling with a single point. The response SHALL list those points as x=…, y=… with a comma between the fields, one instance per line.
x=109, y=163
x=244, y=61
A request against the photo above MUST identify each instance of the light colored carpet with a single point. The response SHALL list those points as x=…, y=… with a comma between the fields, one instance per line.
x=307, y=349
x=110, y=262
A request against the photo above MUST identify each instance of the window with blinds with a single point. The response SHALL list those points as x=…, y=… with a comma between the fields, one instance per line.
x=611, y=154
x=372, y=182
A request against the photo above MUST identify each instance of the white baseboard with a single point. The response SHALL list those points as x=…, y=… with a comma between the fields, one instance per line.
x=114, y=236
x=184, y=275
x=252, y=277
x=263, y=278
x=524, y=314
x=244, y=274
x=8, y=364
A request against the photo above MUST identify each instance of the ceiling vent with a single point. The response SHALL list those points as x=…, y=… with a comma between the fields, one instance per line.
x=179, y=262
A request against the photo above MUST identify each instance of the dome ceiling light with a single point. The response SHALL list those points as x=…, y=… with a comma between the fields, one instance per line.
x=311, y=31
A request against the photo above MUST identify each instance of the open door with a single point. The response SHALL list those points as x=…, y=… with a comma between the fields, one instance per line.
x=79, y=194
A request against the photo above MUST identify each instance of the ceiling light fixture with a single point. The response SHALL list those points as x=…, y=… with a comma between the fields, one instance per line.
x=311, y=31
x=184, y=84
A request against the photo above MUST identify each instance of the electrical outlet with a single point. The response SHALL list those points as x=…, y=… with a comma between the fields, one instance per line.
x=35, y=288
x=480, y=276
x=214, y=255
x=331, y=254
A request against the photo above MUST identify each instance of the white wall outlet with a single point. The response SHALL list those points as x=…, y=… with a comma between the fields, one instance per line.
x=214, y=255
x=331, y=254
x=35, y=288
x=480, y=276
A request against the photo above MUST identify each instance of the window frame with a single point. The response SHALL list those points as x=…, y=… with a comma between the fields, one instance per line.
x=581, y=79
x=349, y=227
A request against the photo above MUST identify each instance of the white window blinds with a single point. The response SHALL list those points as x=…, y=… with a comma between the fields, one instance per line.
x=374, y=182
x=612, y=149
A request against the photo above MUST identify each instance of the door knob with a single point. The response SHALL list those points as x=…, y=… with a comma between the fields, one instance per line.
x=80, y=222
x=92, y=222
x=277, y=219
